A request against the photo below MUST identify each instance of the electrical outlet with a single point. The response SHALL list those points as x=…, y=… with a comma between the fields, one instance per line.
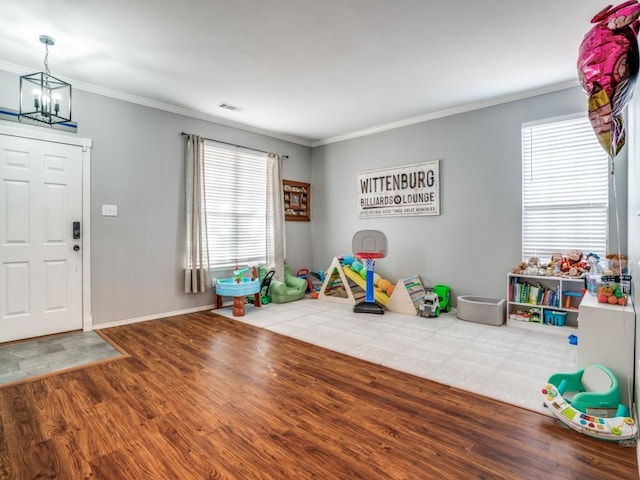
x=109, y=210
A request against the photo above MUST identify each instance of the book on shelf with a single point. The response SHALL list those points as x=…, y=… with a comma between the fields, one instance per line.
x=538, y=294
x=533, y=294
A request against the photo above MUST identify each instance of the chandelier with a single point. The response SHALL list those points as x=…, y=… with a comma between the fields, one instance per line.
x=45, y=98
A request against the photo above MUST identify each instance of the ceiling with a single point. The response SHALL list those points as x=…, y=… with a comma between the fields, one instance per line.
x=308, y=71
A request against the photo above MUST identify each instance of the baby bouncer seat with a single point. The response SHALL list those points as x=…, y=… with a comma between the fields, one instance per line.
x=593, y=390
x=589, y=402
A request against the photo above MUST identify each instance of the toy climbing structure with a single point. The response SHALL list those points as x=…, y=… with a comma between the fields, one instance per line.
x=343, y=285
x=337, y=287
x=407, y=296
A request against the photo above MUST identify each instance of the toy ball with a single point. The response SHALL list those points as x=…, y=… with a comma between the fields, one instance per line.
x=347, y=260
x=390, y=289
x=383, y=284
x=376, y=278
x=356, y=266
x=363, y=273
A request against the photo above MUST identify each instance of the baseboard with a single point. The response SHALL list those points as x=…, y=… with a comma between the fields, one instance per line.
x=87, y=323
x=128, y=321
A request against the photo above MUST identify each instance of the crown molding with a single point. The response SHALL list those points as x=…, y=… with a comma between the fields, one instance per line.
x=146, y=102
x=20, y=70
x=447, y=112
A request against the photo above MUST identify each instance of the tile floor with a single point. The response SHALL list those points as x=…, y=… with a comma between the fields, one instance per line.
x=508, y=363
x=22, y=360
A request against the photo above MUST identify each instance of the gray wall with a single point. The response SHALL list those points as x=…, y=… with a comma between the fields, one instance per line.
x=137, y=164
x=477, y=237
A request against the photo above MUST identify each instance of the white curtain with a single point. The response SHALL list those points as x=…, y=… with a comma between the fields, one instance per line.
x=275, y=217
x=196, y=275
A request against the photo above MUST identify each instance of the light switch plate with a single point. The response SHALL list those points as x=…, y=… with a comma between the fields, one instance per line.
x=109, y=210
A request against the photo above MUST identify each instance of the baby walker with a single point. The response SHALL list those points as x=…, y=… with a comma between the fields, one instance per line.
x=369, y=245
x=588, y=401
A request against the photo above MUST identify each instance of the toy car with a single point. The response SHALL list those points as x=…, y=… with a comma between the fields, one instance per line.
x=437, y=299
x=430, y=306
x=444, y=294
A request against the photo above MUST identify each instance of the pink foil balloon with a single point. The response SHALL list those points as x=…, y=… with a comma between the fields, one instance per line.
x=608, y=67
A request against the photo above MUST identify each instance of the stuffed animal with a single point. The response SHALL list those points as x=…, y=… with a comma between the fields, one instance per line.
x=519, y=269
x=574, y=257
x=577, y=266
x=533, y=267
x=553, y=267
x=593, y=262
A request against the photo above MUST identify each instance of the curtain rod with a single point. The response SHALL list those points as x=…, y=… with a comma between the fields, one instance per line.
x=236, y=145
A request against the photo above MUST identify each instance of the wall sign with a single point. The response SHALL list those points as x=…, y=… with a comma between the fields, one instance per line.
x=400, y=191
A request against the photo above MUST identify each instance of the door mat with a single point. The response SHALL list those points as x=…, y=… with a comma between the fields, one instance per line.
x=32, y=359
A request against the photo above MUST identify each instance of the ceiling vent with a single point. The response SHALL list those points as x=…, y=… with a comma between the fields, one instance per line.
x=233, y=108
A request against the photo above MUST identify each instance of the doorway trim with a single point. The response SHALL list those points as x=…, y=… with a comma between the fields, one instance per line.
x=86, y=144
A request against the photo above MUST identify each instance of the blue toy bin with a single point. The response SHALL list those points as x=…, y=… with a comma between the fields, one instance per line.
x=553, y=317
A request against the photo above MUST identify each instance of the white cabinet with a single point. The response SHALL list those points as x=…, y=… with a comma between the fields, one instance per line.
x=607, y=336
x=543, y=302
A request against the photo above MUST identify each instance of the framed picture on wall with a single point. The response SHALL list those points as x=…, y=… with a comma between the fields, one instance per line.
x=297, y=201
x=294, y=200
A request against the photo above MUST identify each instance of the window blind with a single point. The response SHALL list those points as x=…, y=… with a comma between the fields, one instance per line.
x=565, y=195
x=236, y=185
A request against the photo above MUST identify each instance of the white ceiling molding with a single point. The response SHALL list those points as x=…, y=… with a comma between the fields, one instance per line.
x=106, y=92
x=447, y=113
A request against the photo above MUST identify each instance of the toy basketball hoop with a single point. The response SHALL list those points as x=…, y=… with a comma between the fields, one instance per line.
x=369, y=245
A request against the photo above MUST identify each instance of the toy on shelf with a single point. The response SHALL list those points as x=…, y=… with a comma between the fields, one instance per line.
x=616, y=264
x=611, y=292
x=588, y=401
x=571, y=265
x=593, y=263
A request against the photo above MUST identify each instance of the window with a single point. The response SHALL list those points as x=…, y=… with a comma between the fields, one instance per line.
x=236, y=198
x=565, y=192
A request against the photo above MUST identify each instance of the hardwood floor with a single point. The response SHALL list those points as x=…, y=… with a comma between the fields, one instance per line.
x=205, y=397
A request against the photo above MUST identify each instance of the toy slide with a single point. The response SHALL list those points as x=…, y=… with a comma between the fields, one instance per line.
x=380, y=297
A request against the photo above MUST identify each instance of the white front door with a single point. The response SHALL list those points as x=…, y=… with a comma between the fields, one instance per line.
x=40, y=260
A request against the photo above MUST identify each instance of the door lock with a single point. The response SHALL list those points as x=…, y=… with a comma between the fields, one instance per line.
x=76, y=230
x=76, y=248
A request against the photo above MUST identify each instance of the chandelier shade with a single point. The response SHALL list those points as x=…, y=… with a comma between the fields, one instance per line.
x=43, y=97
